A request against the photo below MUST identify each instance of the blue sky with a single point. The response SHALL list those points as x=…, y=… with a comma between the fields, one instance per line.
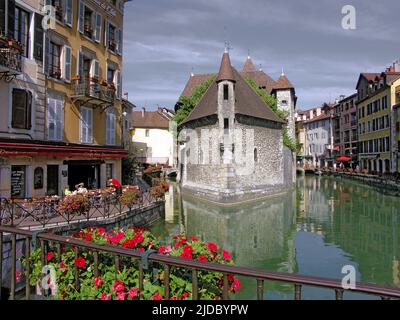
x=165, y=39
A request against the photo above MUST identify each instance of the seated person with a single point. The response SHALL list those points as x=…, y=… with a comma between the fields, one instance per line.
x=114, y=183
x=80, y=189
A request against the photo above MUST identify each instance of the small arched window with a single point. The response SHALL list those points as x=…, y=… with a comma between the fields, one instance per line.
x=255, y=155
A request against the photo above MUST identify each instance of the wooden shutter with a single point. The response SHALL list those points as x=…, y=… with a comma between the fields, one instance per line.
x=95, y=69
x=59, y=119
x=51, y=115
x=19, y=109
x=47, y=56
x=97, y=33
x=69, y=9
x=11, y=18
x=67, y=55
x=29, y=102
x=108, y=128
x=38, y=40
x=112, y=128
x=119, y=41
x=83, y=125
x=90, y=125
x=117, y=82
x=106, y=33
x=3, y=28
x=81, y=16
x=80, y=66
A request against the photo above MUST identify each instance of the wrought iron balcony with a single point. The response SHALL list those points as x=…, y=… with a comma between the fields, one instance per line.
x=93, y=92
x=10, y=62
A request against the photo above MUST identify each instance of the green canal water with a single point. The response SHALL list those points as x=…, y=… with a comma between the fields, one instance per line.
x=316, y=229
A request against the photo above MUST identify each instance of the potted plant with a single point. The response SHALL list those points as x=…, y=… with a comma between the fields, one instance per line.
x=15, y=44
x=94, y=79
x=3, y=41
x=76, y=78
x=56, y=73
x=104, y=83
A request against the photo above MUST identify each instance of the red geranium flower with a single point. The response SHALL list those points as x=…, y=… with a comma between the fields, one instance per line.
x=236, y=285
x=161, y=249
x=226, y=255
x=194, y=239
x=133, y=293
x=203, y=259
x=212, y=247
x=101, y=230
x=118, y=286
x=188, y=249
x=141, y=250
x=88, y=237
x=105, y=296
x=98, y=282
x=121, y=296
x=80, y=262
x=138, y=238
x=157, y=296
x=17, y=275
x=50, y=256
x=130, y=244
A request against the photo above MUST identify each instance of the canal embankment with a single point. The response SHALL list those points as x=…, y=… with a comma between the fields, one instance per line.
x=382, y=184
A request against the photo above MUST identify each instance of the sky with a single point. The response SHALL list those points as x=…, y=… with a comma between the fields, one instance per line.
x=164, y=40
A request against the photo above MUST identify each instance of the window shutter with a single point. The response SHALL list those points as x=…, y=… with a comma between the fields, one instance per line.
x=19, y=99
x=67, y=63
x=59, y=119
x=119, y=50
x=80, y=66
x=11, y=18
x=51, y=115
x=90, y=125
x=97, y=34
x=68, y=12
x=47, y=56
x=3, y=17
x=95, y=69
x=112, y=131
x=38, y=41
x=108, y=128
x=83, y=125
x=107, y=34
x=117, y=81
x=28, y=110
x=81, y=16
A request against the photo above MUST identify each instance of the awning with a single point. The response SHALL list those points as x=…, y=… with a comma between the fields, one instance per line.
x=343, y=159
x=18, y=149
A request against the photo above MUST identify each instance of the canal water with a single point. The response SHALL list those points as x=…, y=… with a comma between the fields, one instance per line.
x=317, y=229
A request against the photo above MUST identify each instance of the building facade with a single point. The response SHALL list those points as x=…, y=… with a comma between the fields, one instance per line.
x=319, y=136
x=376, y=98
x=345, y=128
x=63, y=108
x=152, y=137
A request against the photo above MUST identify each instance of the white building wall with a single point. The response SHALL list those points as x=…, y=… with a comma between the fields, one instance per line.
x=159, y=144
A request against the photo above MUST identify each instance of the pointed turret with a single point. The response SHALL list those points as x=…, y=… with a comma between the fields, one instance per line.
x=225, y=71
x=283, y=83
x=249, y=66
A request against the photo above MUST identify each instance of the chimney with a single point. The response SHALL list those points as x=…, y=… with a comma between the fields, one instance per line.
x=143, y=111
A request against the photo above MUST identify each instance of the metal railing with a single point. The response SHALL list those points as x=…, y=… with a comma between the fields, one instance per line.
x=93, y=90
x=42, y=213
x=10, y=59
x=191, y=267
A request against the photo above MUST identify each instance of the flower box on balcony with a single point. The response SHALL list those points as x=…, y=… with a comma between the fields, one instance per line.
x=14, y=44
x=104, y=83
x=56, y=74
x=76, y=78
x=94, y=80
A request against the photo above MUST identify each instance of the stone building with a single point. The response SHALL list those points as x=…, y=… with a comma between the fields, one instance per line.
x=234, y=146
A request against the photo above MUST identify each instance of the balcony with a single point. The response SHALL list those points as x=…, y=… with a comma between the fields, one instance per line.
x=91, y=91
x=353, y=123
x=10, y=63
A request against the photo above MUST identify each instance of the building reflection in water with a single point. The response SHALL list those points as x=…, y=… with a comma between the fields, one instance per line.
x=348, y=223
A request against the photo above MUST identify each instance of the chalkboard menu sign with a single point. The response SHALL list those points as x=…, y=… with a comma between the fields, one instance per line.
x=18, y=181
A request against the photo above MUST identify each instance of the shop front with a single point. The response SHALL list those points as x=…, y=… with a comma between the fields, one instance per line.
x=33, y=170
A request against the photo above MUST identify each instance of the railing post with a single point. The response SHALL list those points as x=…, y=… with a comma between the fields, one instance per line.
x=13, y=265
x=76, y=271
x=96, y=263
x=339, y=294
x=195, y=285
x=260, y=289
x=297, y=292
x=166, y=282
x=141, y=277
x=27, y=268
x=225, y=295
